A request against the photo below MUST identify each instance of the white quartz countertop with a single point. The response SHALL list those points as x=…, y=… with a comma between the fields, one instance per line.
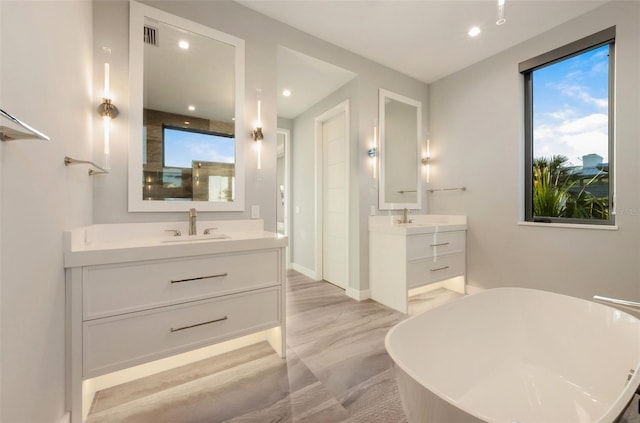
x=127, y=242
x=420, y=224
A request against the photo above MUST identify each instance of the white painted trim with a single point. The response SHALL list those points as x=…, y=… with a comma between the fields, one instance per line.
x=287, y=189
x=304, y=270
x=66, y=418
x=343, y=107
x=358, y=295
x=570, y=226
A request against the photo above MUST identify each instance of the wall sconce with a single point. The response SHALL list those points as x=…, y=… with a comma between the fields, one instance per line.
x=257, y=133
x=107, y=109
x=426, y=161
x=373, y=151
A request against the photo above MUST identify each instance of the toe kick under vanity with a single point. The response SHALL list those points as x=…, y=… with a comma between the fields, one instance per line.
x=140, y=292
x=407, y=256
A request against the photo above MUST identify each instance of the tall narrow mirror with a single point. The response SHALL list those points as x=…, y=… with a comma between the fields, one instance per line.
x=400, y=121
x=187, y=94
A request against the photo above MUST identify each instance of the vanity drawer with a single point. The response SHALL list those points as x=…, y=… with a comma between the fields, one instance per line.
x=435, y=244
x=118, y=342
x=422, y=272
x=124, y=288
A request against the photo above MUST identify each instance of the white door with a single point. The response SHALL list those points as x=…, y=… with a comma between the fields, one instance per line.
x=334, y=200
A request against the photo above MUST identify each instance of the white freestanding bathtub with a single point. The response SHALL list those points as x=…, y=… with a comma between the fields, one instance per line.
x=517, y=355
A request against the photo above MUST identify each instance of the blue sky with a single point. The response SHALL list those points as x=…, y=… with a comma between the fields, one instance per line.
x=571, y=107
x=181, y=147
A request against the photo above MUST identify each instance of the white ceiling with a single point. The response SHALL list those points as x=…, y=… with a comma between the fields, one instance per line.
x=425, y=39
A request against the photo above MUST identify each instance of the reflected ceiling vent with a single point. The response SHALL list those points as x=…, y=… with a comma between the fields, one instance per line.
x=151, y=35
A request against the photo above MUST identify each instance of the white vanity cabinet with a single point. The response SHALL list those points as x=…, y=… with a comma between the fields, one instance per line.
x=407, y=256
x=131, y=305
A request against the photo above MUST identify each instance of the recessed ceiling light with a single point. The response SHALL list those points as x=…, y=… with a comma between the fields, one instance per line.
x=191, y=108
x=183, y=45
x=186, y=122
x=474, y=31
x=286, y=92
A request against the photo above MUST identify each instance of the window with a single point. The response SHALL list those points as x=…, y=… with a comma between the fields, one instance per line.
x=569, y=132
x=183, y=146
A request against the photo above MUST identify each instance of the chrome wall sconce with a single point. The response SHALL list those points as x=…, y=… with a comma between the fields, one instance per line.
x=107, y=110
x=257, y=134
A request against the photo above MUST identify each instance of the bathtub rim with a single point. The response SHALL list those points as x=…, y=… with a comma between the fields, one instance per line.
x=612, y=414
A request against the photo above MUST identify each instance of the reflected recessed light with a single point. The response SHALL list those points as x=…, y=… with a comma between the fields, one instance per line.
x=474, y=31
x=183, y=45
x=191, y=108
x=286, y=92
x=186, y=122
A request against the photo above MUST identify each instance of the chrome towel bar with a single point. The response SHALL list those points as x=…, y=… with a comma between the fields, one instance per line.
x=11, y=134
x=626, y=303
x=447, y=189
x=68, y=161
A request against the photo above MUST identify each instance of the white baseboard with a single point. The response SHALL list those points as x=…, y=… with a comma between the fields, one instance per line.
x=66, y=418
x=305, y=271
x=358, y=295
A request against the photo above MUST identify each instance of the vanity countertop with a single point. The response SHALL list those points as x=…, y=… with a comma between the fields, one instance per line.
x=128, y=242
x=420, y=224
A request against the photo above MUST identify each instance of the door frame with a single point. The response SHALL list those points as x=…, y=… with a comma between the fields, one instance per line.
x=342, y=107
x=287, y=188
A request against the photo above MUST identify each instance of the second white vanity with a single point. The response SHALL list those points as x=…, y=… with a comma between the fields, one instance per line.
x=406, y=256
x=141, y=292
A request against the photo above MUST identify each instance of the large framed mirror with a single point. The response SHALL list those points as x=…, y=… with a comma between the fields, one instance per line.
x=400, y=122
x=186, y=145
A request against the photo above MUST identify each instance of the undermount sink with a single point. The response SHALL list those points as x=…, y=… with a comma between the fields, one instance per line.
x=196, y=238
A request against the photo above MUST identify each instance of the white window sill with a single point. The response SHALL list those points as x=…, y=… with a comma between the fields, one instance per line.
x=570, y=226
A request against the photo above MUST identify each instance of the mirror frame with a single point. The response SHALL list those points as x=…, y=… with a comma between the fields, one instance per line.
x=137, y=14
x=382, y=202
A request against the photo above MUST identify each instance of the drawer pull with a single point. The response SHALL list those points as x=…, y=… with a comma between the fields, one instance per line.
x=439, y=268
x=440, y=244
x=199, y=324
x=220, y=275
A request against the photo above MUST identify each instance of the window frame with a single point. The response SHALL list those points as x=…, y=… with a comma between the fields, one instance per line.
x=526, y=68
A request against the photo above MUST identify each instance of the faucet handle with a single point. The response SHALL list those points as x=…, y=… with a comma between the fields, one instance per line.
x=208, y=230
x=176, y=232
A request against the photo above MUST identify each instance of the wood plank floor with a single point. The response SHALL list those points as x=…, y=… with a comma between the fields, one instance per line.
x=336, y=370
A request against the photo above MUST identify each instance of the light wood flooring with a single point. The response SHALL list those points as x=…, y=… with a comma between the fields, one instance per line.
x=336, y=370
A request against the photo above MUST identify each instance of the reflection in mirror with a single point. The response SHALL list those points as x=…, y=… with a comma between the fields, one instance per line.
x=400, y=136
x=186, y=103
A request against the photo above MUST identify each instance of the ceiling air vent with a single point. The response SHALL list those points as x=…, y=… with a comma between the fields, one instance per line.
x=151, y=35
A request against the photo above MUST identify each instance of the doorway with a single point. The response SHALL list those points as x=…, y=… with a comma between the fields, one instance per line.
x=332, y=195
x=283, y=185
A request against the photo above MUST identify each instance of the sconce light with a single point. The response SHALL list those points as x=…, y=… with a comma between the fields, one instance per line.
x=426, y=161
x=257, y=133
x=107, y=109
x=373, y=151
x=501, y=19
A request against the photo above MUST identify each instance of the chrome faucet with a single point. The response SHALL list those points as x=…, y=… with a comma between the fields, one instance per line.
x=405, y=217
x=192, y=222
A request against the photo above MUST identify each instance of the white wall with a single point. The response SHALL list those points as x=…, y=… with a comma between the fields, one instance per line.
x=477, y=141
x=45, y=75
x=262, y=36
